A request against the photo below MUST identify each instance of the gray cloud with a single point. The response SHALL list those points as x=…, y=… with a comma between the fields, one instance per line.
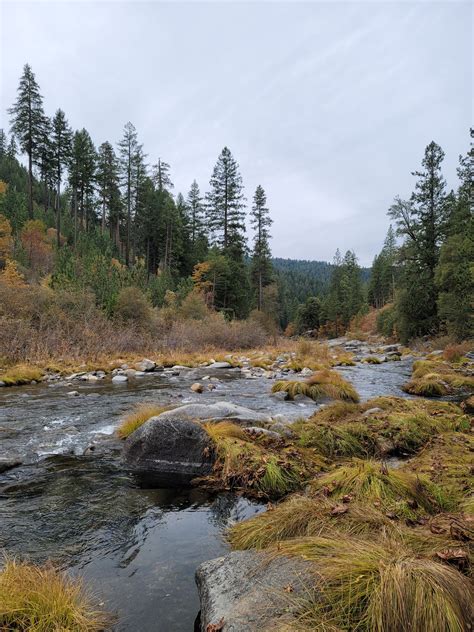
x=328, y=105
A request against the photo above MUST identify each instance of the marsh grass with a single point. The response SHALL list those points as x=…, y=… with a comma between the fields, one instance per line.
x=447, y=459
x=437, y=378
x=138, y=416
x=400, y=493
x=324, y=383
x=372, y=360
x=21, y=374
x=257, y=466
x=306, y=515
x=381, y=585
x=399, y=427
x=42, y=599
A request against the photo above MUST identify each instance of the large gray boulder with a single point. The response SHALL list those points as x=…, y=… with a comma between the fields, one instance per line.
x=247, y=592
x=169, y=452
x=217, y=412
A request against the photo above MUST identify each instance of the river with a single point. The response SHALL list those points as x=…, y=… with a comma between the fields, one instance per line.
x=138, y=547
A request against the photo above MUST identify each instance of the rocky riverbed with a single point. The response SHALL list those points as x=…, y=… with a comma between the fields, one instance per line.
x=73, y=500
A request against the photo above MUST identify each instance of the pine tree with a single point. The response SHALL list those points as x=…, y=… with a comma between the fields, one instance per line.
x=422, y=222
x=82, y=173
x=196, y=211
x=454, y=276
x=261, y=256
x=109, y=191
x=128, y=148
x=45, y=161
x=3, y=143
x=61, y=150
x=27, y=120
x=225, y=204
x=12, y=148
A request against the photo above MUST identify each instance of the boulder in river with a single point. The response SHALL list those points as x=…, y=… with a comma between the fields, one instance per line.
x=247, y=592
x=220, y=365
x=145, y=365
x=169, y=452
x=217, y=412
x=119, y=379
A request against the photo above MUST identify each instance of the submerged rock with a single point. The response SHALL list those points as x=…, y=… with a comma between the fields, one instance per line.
x=247, y=592
x=197, y=388
x=169, y=451
x=8, y=464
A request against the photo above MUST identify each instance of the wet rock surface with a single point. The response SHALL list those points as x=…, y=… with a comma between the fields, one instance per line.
x=169, y=452
x=247, y=592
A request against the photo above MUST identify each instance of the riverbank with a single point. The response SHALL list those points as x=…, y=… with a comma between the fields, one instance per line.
x=139, y=546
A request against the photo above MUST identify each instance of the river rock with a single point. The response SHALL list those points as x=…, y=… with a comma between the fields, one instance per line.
x=220, y=365
x=247, y=592
x=372, y=411
x=197, y=388
x=73, y=393
x=170, y=451
x=217, y=412
x=119, y=379
x=256, y=431
x=280, y=396
x=8, y=464
x=145, y=365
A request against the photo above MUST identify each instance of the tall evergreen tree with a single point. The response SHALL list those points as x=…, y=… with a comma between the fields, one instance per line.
x=196, y=211
x=225, y=204
x=26, y=122
x=82, y=174
x=109, y=191
x=454, y=273
x=261, y=256
x=61, y=152
x=45, y=162
x=3, y=143
x=128, y=148
x=422, y=221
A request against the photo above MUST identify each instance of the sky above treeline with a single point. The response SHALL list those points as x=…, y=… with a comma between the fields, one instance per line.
x=327, y=105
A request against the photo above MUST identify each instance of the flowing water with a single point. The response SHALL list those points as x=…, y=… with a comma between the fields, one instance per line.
x=71, y=501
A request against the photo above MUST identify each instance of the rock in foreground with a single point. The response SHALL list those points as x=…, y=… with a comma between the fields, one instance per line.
x=246, y=592
x=169, y=452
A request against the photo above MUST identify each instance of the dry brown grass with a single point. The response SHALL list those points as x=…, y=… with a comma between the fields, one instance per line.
x=42, y=599
x=138, y=416
x=21, y=374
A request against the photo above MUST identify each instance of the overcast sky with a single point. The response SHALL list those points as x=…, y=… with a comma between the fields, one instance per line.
x=328, y=105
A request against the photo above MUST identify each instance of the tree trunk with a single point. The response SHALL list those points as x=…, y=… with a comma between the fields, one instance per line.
x=30, y=185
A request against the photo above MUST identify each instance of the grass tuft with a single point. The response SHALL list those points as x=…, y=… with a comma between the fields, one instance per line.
x=381, y=586
x=42, y=599
x=372, y=360
x=21, y=374
x=257, y=466
x=324, y=383
x=137, y=417
x=398, y=493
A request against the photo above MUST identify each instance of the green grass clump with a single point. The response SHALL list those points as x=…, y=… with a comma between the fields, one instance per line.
x=21, y=374
x=379, y=585
x=400, y=427
x=301, y=516
x=42, y=599
x=430, y=385
x=447, y=460
x=137, y=417
x=437, y=378
x=324, y=383
x=399, y=493
x=372, y=360
x=257, y=466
